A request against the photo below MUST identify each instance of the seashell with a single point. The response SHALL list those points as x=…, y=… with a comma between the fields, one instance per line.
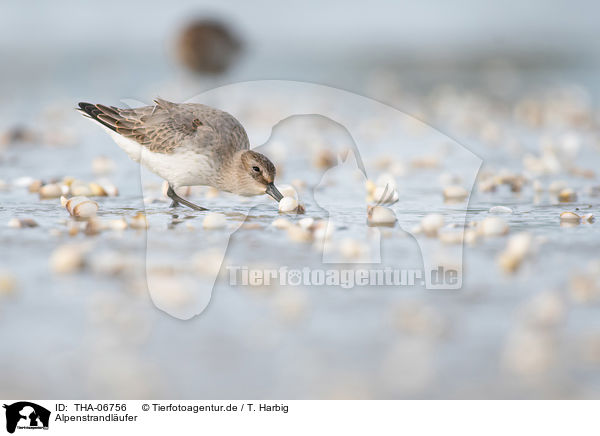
x=67, y=259
x=493, y=226
x=471, y=236
x=214, y=220
x=93, y=227
x=570, y=217
x=8, y=283
x=298, y=234
x=537, y=186
x=35, y=186
x=139, y=221
x=281, y=223
x=288, y=204
x=288, y=191
x=370, y=186
x=500, y=209
x=567, y=196
x=516, y=250
x=51, y=190
x=97, y=190
x=85, y=209
x=20, y=223
x=323, y=230
x=385, y=195
x=430, y=224
x=80, y=190
x=117, y=224
x=306, y=223
x=110, y=189
x=588, y=218
x=388, y=180
x=380, y=216
x=455, y=193
x=451, y=236
x=103, y=165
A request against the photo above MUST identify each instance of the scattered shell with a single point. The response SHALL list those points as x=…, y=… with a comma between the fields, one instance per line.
x=81, y=207
x=493, y=226
x=97, y=190
x=288, y=191
x=557, y=186
x=306, y=223
x=455, y=193
x=67, y=259
x=81, y=190
x=570, y=217
x=51, y=190
x=110, y=189
x=567, y=196
x=298, y=234
x=20, y=223
x=35, y=186
x=214, y=220
x=117, y=224
x=451, y=236
x=8, y=283
x=281, y=223
x=380, y=216
x=85, y=209
x=139, y=221
x=500, y=209
x=385, y=194
x=288, y=204
x=430, y=224
x=517, y=248
x=588, y=217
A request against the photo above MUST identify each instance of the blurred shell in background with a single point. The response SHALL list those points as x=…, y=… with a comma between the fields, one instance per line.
x=207, y=46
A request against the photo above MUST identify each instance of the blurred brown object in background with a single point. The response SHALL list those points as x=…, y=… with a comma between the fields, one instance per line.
x=207, y=46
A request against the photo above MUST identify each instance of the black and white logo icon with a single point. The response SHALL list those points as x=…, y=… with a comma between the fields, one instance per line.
x=26, y=415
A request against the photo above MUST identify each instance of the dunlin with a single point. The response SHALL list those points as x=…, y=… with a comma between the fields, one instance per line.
x=188, y=145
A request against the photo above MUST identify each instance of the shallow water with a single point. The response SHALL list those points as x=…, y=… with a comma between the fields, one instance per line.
x=96, y=333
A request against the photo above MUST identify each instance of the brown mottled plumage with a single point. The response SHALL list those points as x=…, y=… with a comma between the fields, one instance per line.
x=188, y=144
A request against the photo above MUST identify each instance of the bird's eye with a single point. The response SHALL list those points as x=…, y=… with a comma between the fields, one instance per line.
x=256, y=169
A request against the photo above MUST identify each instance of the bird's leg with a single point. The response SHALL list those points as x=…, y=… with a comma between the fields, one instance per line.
x=177, y=199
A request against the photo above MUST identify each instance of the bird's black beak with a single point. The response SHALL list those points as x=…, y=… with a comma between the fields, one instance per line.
x=273, y=192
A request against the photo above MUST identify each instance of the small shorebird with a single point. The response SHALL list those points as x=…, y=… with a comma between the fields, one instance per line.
x=188, y=145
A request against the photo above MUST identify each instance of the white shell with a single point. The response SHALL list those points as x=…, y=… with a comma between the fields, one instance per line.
x=430, y=224
x=298, y=234
x=67, y=259
x=493, y=226
x=281, y=223
x=380, y=215
x=500, y=209
x=567, y=196
x=85, y=209
x=214, y=220
x=288, y=191
x=455, y=193
x=306, y=223
x=385, y=194
x=51, y=190
x=139, y=221
x=288, y=204
x=571, y=217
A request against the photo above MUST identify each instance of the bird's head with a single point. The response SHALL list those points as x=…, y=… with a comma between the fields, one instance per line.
x=257, y=175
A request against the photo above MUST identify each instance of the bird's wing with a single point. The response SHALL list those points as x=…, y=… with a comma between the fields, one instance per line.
x=160, y=128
